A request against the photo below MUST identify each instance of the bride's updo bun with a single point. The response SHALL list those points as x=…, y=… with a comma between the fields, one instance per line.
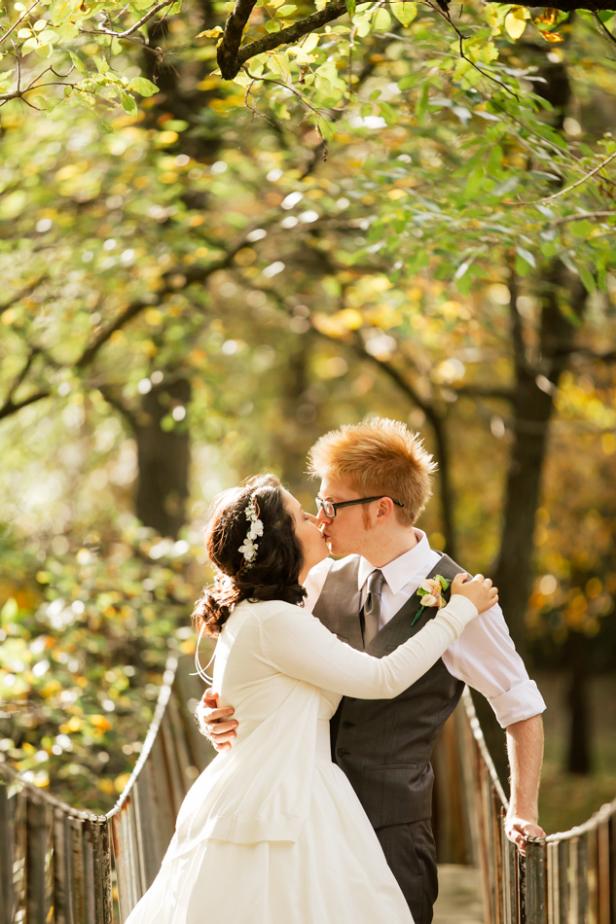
x=271, y=574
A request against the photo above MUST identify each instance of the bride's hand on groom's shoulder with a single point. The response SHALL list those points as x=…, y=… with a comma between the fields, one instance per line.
x=478, y=589
x=216, y=722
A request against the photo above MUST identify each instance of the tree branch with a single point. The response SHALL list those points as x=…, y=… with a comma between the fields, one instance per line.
x=583, y=179
x=122, y=35
x=483, y=391
x=27, y=290
x=18, y=22
x=232, y=37
x=11, y=407
x=581, y=216
x=230, y=64
x=190, y=275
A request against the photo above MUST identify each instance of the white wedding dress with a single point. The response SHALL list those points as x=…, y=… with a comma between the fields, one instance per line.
x=272, y=832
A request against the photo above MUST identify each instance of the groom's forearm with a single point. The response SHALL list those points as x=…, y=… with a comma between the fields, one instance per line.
x=525, y=751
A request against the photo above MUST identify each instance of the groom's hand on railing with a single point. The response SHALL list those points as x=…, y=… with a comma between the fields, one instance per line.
x=519, y=829
x=216, y=723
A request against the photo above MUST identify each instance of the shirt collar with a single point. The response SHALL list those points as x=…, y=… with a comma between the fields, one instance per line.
x=410, y=567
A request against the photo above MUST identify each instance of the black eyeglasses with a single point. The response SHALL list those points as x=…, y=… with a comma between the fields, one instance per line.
x=330, y=508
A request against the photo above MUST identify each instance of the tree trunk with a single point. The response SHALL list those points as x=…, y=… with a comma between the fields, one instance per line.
x=163, y=458
x=579, y=749
x=297, y=412
x=535, y=386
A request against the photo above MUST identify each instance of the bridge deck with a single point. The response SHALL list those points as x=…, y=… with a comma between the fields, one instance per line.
x=459, y=899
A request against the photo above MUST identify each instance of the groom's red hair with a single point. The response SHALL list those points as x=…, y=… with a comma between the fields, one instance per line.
x=377, y=456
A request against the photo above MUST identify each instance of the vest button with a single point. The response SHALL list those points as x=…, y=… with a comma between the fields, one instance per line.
x=342, y=752
x=348, y=724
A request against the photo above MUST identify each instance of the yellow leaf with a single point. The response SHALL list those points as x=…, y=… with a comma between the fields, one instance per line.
x=515, y=22
x=121, y=781
x=106, y=786
x=405, y=11
x=548, y=17
x=100, y=722
x=554, y=38
x=210, y=33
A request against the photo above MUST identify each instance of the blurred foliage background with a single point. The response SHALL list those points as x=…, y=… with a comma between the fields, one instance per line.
x=200, y=276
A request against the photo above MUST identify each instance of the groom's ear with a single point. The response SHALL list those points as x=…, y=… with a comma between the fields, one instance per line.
x=384, y=508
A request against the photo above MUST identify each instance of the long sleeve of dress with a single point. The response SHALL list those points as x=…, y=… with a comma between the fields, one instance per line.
x=297, y=644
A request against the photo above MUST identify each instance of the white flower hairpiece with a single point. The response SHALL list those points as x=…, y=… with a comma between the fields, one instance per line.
x=250, y=546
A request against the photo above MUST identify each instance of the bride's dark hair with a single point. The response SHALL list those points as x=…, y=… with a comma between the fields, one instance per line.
x=274, y=572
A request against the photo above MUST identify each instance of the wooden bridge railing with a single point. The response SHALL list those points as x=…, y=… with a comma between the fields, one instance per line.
x=566, y=878
x=59, y=865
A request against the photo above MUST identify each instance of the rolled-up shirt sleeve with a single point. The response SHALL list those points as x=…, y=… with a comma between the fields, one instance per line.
x=485, y=658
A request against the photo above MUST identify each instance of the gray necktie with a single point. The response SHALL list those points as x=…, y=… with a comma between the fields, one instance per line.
x=372, y=605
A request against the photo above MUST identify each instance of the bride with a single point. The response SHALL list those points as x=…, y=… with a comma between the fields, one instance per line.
x=271, y=832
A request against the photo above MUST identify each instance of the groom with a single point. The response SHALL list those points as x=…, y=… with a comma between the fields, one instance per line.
x=375, y=481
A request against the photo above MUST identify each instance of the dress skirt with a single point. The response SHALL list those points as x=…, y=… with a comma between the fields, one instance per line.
x=333, y=873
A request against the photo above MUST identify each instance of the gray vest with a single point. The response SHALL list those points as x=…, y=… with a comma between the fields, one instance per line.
x=384, y=746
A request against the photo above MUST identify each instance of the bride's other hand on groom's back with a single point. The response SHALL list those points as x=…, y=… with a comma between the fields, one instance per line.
x=216, y=722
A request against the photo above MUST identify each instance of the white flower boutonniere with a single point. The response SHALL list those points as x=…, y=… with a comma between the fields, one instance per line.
x=431, y=591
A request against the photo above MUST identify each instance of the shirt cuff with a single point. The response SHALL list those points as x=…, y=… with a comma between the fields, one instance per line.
x=523, y=701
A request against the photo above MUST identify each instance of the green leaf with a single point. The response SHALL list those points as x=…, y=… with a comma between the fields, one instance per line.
x=381, y=21
x=143, y=86
x=78, y=62
x=128, y=103
x=527, y=256
x=422, y=103
x=588, y=279
x=351, y=6
x=405, y=11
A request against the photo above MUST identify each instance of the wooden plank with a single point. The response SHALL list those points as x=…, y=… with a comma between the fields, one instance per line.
x=572, y=881
x=583, y=912
x=138, y=842
x=564, y=897
x=115, y=852
x=553, y=885
x=612, y=862
x=61, y=868
x=536, y=912
x=603, y=872
x=88, y=872
x=7, y=840
x=511, y=905
x=39, y=822
x=77, y=899
x=122, y=864
x=20, y=856
x=103, y=874
x=591, y=877
x=152, y=846
x=174, y=779
x=188, y=772
x=465, y=758
x=165, y=816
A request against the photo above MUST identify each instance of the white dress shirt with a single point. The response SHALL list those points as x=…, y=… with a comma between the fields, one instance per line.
x=484, y=657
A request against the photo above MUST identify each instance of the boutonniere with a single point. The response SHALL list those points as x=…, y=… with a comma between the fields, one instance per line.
x=431, y=591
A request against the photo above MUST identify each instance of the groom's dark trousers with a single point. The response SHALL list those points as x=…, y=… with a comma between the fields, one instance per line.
x=384, y=746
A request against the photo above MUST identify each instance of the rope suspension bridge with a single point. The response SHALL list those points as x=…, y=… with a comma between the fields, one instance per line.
x=60, y=865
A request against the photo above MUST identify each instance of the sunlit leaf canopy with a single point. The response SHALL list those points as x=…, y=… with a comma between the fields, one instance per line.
x=347, y=226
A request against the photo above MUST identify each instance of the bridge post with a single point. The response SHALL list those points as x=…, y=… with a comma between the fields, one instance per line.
x=535, y=880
